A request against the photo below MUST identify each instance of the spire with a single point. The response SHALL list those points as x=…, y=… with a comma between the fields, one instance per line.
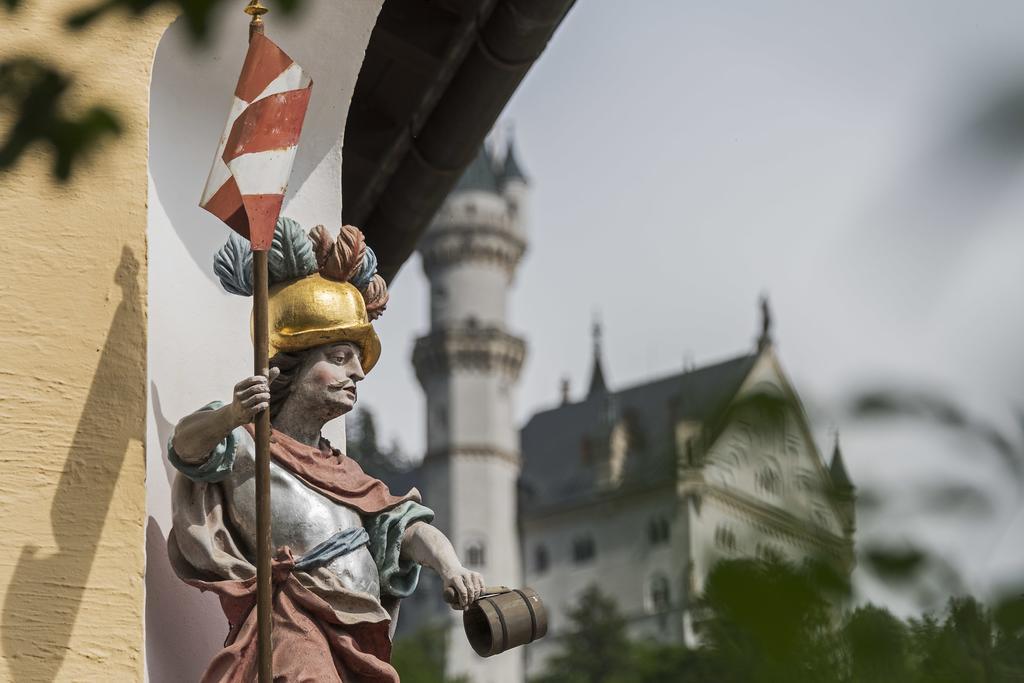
x=510, y=169
x=597, y=385
x=479, y=175
x=764, y=340
x=837, y=470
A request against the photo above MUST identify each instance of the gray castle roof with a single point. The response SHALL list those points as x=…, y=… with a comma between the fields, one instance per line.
x=557, y=443
x=479, y=175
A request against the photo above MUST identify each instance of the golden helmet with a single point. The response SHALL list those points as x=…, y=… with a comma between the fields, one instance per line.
x=314, y=311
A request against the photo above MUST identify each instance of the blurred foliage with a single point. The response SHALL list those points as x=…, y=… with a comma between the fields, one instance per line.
x=32, y=91
x=941, y=411
x=878, y=646
x=774, y=623
x=597, y=649
x=420, y=657
x=769, y=622
x=930, y=574
x=196, y=13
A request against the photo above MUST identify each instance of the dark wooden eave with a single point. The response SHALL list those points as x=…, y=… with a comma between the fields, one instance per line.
x=436, y=76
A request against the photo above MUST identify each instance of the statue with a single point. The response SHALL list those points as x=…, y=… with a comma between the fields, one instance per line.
x=347, y=548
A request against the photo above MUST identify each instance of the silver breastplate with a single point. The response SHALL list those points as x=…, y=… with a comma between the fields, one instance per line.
x=301, y=518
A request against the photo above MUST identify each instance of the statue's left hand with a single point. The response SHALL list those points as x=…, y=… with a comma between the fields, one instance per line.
x=463, y=585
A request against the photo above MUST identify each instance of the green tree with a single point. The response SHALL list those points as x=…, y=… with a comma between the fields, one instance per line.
x=877, y=646
x=659, y=663
x=420, y=657
x=769, y=622
x=961, y=649
x=596, y=648
x=1008, y=616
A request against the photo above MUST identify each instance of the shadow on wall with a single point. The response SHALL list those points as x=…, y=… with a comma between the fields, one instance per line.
x=184, y=627
x=45, y=592
x=183, y=136
x=177, y=618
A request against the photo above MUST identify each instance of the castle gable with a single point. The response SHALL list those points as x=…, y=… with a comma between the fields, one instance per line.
x=764, y=451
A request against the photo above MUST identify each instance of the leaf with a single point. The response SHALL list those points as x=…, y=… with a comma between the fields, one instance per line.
x=198, y=14
x=233, y=265
x=34, y=93
x=291, y=253
x=895, y=564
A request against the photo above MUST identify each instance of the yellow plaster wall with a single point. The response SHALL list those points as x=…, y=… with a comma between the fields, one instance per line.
x=73, y=374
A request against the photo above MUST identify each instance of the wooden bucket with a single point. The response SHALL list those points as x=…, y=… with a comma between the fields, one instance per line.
x=504, y=618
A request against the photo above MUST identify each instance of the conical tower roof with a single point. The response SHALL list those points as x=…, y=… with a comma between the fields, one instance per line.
x=511, y=170
x=597, y=383
x=479, y=175
x=837, y=470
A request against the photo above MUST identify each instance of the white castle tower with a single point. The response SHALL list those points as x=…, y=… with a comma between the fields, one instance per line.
x=468, y=365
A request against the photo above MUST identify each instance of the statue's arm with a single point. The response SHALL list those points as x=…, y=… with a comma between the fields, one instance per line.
x=196, y=435
x=424, y=544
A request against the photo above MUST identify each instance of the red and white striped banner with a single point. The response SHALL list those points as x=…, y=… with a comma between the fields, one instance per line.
x=250, y=171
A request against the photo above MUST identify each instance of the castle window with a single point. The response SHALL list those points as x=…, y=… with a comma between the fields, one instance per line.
x=659, y=595
x=768, y=481
x=658, y=531
x=583, y=549
x=725, y=538
x=475, y=556
x=541, y=560
x=767, y=553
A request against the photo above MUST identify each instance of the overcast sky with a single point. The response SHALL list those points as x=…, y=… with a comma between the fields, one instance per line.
x=686, y=157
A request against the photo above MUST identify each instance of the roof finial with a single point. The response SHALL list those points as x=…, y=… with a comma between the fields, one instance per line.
x=510, y=168
x=597, y=384
x=765, y=339
x=837, y=468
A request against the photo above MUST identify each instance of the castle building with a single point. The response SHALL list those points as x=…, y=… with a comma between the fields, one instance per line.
x=638, y=490
x=468, y=364
x=641, y=491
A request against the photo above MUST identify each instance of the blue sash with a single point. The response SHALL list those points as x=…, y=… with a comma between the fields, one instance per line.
x=341, y=543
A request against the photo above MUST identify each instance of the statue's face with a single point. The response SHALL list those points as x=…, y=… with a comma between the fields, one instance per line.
x=327, y=383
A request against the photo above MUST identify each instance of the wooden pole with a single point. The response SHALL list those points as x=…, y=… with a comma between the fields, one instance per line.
x=261, y=366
